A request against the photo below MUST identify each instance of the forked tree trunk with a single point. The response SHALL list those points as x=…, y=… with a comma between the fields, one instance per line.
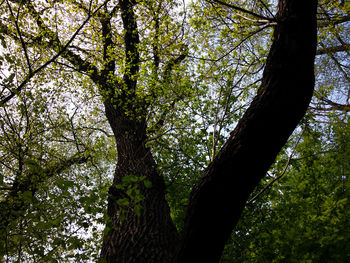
x=219, y=197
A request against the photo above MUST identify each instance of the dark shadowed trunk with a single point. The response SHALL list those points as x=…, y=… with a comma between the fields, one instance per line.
x=148, y=235
x=219, y=197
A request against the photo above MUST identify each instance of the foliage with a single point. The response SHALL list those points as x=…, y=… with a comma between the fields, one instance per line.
x=54, y=162
x=199, y=68
x=304, y=217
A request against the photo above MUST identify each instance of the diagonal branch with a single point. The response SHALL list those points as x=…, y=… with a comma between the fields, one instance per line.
x=218, y=199
x=339, y=66
x=262, y=19
x=333, y=21
x=75, y=59
x=334, y=49
x=336, y=106
x=267, y=8
x=173, y=62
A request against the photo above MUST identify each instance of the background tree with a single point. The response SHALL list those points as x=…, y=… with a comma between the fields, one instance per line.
x=53, y=166
x=303, y=216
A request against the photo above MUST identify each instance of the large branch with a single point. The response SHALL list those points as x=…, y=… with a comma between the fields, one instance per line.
x=109, y=62
x=333, y=21
x=132, y=42
x=334, y=49
x=218, y=199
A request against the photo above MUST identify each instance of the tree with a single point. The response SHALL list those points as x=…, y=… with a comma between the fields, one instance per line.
x=139, y=227
x=50, y=157
x=288, y=217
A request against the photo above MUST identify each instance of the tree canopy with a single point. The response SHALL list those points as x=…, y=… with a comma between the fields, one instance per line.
x=145, y=131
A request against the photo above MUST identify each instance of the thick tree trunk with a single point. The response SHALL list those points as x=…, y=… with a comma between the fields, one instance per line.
x=149, y=236
x=218, y=199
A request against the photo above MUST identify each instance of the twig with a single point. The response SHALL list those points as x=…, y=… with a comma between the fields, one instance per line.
x=262, y=19
x=33, y=73
x=278, y=177
x=20, y=36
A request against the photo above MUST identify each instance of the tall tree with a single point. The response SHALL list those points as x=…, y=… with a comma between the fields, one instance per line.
x=139, y=226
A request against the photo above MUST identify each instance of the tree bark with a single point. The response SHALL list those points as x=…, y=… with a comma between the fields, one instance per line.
x=219, y=197
x=139, y=228
x=150, y=236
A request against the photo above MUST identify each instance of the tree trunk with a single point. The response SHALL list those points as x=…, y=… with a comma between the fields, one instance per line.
x=219, y=197
x=148, y=235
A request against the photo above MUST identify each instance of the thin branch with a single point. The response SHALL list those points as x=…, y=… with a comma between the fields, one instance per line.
x=339, y=66
x=20, y=36
x=226, y=111
x=97, y=129
x=63, y=49
x=262, y=19
x=336, y=106
x=241, y=42
x=173, y=62
x=267, y=8
x=333, y=21
x=278, y=177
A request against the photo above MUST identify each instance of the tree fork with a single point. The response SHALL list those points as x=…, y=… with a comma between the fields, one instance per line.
x=134, y=236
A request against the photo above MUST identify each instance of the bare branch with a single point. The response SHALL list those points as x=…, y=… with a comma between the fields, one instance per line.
x=262, y=19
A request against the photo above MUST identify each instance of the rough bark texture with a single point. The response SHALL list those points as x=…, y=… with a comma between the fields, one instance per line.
x=218, y=199
x=151, y=236
x=134, y=236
